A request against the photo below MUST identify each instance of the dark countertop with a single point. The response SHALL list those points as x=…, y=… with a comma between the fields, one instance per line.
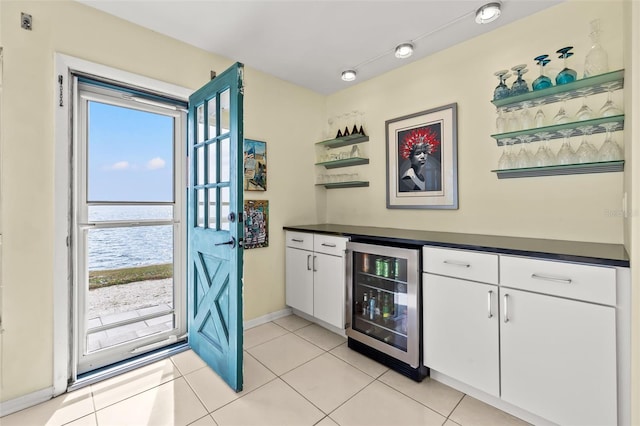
x=570, y=251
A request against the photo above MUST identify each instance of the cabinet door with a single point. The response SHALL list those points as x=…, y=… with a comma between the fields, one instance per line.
x=461, y=330
x=299, y=279
x=329, y=289
x=558, y=358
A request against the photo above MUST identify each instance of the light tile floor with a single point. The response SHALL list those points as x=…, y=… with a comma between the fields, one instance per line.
x=295, y=373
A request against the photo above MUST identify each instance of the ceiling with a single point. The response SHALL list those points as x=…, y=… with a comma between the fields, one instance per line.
x=310, y=42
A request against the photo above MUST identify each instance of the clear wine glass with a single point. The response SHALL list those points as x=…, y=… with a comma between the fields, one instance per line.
x=566, y=154
x=609, y=109
x=586, y=152
x=506, y=160
x=524, y=158
x=544, y=156
x=513, y=124
x=354, y=119
x=543, y=81
x=501, y=121
x=361, y=129
x=501, y=91
x=584, y=113
x=519, y=86
x=562, y=117
x=610, y=150
x=526, y=120
x=339, y=120
x=540, y=119
x=567, y=75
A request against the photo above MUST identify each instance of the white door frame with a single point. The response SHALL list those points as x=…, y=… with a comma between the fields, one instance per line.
x=63, y=131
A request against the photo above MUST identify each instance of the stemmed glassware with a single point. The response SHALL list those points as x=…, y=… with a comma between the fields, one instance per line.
x=501, y=91
x=524, y=158
x=501, y=121
x=526, y=120
x=539, y=119
x=513, y=124
x=543, y=81
x=566, y=154
x=506, y=159
x=562, y=117
x=361, y=129
x=354, y=118
x=609, y=109
x=544, y=156
x=596, y=62
x=584, y=113
x=610, y=150
x=519, y=86
x=567, y=75
x=586, y=152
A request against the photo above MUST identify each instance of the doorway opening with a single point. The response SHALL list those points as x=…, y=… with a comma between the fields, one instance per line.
x=128, y=230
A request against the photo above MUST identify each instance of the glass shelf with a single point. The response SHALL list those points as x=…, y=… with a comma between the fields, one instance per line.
x=344, y=141
x=568, y=169
x=350, y=184
x=555, y=129
x=356, y=161
x=597, y=84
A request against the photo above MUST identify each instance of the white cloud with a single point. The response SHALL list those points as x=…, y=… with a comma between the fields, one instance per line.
x=156, y=163
x=120, y=165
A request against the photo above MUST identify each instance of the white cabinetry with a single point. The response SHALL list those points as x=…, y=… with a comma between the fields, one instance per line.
x=546, y=345
x=315, y=275
x=461, y=316
x=557, y=350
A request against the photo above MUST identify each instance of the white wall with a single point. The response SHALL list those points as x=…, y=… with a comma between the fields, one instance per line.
x=277, y=112
x=569, y=207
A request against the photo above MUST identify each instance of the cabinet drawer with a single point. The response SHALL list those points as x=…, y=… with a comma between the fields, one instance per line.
x=329, y=244
x=300, y=240
x=469, y=265
x=572, y=280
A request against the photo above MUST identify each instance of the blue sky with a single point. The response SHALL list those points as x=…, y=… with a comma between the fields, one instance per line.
x=130, y=155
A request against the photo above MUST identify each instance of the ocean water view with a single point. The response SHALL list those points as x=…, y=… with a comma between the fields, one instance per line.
x=125, y=247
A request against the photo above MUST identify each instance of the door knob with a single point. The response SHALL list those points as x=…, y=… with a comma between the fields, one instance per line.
x=231, y=217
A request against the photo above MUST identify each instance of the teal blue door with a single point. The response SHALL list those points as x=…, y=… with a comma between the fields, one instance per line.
x=215, y=228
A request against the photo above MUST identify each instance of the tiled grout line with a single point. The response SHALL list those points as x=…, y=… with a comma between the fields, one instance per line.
x=454, y=408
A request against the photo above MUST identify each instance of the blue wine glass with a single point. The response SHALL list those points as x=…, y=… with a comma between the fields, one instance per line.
x=567, y=75
x=543, y=81
x=519, y=86
x=501, y=91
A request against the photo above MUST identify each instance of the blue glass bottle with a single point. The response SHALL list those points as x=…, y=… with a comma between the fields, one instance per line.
x=543, y=81
x=567, y=75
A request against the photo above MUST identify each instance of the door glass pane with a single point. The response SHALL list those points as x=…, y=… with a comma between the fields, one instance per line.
x=213, y=111
x=200, y=166
x=213, y=198
x=224, y=160
x=109, y=213
x=212, y=162
x=130, y=154
x=225, y=116
x=200, y=208
x=224, y=214
x=200, y=124
x=121, y=265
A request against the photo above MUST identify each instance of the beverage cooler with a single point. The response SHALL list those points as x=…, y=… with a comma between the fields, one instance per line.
x=383, y=306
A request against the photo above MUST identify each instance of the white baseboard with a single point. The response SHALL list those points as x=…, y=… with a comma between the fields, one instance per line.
x=25, y=401
x=266, y=318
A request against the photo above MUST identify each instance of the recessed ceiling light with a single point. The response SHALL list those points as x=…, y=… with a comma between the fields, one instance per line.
x=488, y=13
x=349, y=75
x=404, y=50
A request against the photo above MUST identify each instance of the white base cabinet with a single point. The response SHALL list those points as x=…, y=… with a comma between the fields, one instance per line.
x=543, y=338
x=558, y=358
x=315, y=276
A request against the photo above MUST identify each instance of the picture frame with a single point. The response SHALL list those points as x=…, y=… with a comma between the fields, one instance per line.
x=422, y=159
x=255, y=165
x=256, y=224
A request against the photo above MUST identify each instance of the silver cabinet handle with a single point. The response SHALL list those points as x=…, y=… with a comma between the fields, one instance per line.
x=550, y=278
x=489, y=314
x=506, y=308
x=457, y=263
x=308, y=260
x=328, y=245
x=297, y=240
x=314, y=263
